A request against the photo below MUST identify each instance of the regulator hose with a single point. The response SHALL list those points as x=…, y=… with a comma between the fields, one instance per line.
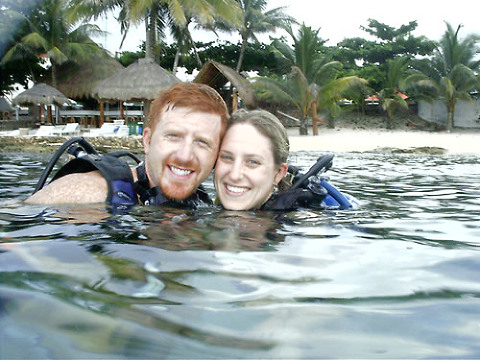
x=323, y=163
x=85, y=146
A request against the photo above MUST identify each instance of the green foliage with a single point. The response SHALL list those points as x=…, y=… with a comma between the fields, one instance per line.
x=451, y=74
x=255, y=19
x=50, y=32
x=373, y=55
x=12, y=28
x=313, y=83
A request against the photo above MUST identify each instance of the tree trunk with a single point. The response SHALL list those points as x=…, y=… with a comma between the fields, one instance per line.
x=450, y=124
x=197, y=57
x=54, y=75
x=175, y=61
x=151, y=35
x=330, y=122
x=303, y=129
x=242, y=54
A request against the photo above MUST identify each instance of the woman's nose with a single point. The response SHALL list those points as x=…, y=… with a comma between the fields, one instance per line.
x=236, y=172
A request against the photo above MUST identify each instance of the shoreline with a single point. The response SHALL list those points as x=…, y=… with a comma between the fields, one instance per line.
x=459, y=141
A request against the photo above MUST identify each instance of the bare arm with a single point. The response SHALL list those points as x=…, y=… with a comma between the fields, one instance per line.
x=82, y=188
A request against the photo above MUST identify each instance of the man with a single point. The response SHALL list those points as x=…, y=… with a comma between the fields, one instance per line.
x=187, y=123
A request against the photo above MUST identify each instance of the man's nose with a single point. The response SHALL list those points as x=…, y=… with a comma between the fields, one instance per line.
x=185, y=151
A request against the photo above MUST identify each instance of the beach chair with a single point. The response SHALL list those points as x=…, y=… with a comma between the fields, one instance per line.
x=109, y=129
x=69, y=129
x=45, y=130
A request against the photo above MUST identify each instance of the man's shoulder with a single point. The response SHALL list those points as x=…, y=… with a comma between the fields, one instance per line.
x=76, y=188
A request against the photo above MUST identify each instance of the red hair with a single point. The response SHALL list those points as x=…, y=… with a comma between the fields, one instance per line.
x=197, y=97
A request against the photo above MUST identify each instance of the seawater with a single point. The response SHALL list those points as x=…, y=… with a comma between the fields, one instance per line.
x=396, y=278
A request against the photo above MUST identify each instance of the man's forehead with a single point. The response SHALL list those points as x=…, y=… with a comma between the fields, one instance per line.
x=188, y=118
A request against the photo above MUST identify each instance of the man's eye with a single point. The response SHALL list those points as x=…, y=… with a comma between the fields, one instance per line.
x=203, y=143
x=172, y=136
x=253, y=162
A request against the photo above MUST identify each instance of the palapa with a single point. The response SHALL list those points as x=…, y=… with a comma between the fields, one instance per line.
x=78, y=80
x=140, y=81
x=218, y=75
x=5, y=109
x=41, y=94
x=5, y=105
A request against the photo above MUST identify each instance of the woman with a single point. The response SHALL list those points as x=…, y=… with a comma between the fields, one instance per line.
x=252, y=160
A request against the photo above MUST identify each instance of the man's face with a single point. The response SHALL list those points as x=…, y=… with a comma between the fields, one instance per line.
x=181, y=152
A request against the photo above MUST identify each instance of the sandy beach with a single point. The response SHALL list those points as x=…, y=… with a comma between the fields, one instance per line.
x=357, y=140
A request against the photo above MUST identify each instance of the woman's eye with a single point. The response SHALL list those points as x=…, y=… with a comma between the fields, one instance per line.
x=253, y=162
x=226, y=158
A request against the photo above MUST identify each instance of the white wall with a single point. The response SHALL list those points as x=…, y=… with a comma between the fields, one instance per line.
x=465, y=115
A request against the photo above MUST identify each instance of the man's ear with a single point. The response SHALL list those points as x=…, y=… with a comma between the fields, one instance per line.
x=146, y=137
x=282, y=170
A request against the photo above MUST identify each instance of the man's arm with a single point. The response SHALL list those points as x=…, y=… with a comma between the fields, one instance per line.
x=81, y=188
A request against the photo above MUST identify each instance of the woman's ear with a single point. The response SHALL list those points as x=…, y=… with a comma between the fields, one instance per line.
x=282, y=170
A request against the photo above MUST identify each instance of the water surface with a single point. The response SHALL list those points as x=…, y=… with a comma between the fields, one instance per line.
x=397, y=278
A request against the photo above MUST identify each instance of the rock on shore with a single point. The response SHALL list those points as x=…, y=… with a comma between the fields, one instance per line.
x=45, y=145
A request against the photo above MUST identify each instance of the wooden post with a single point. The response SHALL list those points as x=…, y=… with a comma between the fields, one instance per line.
x=235, y=100
x=40, y=113
x=49, y=113
x=121, y=109
x=102, y=112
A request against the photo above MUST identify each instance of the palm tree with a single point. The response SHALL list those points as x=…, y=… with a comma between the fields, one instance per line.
x=451, y=74
x=52, y=35
x=295, y=89
x=159, y=15
x=312, y=85
x=390, y=97
x=255, y=20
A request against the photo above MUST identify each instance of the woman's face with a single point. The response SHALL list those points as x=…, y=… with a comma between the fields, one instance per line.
x=245, y=172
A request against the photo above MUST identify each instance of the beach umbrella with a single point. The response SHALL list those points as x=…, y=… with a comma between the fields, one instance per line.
x=141, y=81
x=41, y=94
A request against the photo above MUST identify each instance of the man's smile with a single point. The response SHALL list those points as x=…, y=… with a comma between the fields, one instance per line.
x=180, y=171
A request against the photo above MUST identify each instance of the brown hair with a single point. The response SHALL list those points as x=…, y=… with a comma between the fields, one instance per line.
x=269, y=126
x=197, y=97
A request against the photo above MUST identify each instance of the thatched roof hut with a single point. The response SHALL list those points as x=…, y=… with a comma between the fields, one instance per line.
x=5, y=105
x=79, y=80
x=140, y=81
x=41, y=94
x=218, y=75
x=5, y=109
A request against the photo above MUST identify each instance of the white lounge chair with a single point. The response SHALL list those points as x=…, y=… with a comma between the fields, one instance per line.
x=69, y=129
x=45, y=130
x=109, y=129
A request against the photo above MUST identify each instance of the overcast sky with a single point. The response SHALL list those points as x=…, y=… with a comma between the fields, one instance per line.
x=342, y=19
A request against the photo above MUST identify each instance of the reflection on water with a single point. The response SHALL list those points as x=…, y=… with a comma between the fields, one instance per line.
x=397, y=278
